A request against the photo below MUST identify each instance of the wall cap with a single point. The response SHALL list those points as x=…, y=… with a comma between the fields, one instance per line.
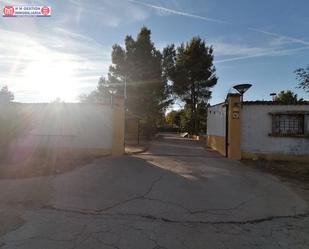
x=262, y=102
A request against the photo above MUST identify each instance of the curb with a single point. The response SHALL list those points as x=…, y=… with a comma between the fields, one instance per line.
x=138, y=152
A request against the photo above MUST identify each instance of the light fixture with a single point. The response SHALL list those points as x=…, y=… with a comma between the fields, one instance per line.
x=273, y=95
x=112, y=91
x=242, y=88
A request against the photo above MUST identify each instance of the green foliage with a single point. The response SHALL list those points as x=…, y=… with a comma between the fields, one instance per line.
x=185, y=118
x=302, y=75
x=173, y=118
x=179, y=119
x=202, y=117
x=6, y=96
x=186, y=115
x=139, y=63
x=287, y=97
x=190, y=68
x=97, y=96
x=182, y=118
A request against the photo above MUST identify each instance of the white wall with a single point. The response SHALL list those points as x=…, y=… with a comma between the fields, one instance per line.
x=216, y=120
x=84, y=126
x=256, y=125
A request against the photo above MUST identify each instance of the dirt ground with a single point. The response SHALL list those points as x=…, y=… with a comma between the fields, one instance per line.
x=43, y=165
x=292, y=170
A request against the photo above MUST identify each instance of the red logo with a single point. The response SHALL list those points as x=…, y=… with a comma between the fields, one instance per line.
x=45, y=10
x=8, y=11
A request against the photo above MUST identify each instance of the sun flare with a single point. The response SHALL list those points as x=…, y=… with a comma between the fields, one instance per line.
x=51, y=79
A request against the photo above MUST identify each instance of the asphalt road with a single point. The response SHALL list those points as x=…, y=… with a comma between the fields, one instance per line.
x=176, y=195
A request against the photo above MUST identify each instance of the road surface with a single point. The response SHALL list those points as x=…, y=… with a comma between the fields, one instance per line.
x=177, y=195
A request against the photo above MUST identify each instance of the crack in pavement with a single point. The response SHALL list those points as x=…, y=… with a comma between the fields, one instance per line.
x=41, y=237
x=102, y=241
x=168, y=220
x=155, y=241
x=245, y=222
x=228, y=209
x=112, y=245
x=104, y=211
x=79, y=234
x=144, y=196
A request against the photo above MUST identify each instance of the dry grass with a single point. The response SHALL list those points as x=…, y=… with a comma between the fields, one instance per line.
x=294, y=170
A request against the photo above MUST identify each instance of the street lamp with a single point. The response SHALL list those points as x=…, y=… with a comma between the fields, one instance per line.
x=242, y=88
x=273, y=95
x=112, y=92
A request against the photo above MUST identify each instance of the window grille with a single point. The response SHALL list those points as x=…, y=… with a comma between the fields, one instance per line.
x=288, y=125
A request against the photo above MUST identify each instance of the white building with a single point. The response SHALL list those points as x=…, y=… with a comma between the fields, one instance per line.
x=259, y=129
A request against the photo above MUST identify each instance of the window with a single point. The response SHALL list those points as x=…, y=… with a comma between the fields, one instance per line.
x=288, y=124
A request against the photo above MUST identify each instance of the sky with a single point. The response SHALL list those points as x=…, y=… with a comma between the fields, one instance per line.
x=62, y=56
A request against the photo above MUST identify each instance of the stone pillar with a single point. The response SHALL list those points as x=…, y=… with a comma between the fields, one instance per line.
x=118, y=126
x=233, y=136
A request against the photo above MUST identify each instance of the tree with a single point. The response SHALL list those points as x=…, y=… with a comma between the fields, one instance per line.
x=185, y=118
x=287, y=98
x=97, y=96
x=139, y=63
x=302, y=75
x=202, y=116
x=190, y=68
x=173, y=118
x=6, y=96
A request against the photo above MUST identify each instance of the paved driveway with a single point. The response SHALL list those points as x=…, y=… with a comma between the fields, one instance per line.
x=176, y=195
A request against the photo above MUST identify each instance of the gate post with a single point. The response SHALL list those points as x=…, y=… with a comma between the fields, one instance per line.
x=233, y=126
x=118, y=126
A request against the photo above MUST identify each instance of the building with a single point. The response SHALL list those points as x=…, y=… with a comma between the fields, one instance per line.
x=259, y=129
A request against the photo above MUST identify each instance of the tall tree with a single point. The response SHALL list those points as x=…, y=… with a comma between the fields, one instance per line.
x=287, y=97
x=302, y=75
x=139, y=63
x=97, y=96
x=190, y=68
x=6, y=96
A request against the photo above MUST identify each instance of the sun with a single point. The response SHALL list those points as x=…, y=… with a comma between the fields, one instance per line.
x=51, y=79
